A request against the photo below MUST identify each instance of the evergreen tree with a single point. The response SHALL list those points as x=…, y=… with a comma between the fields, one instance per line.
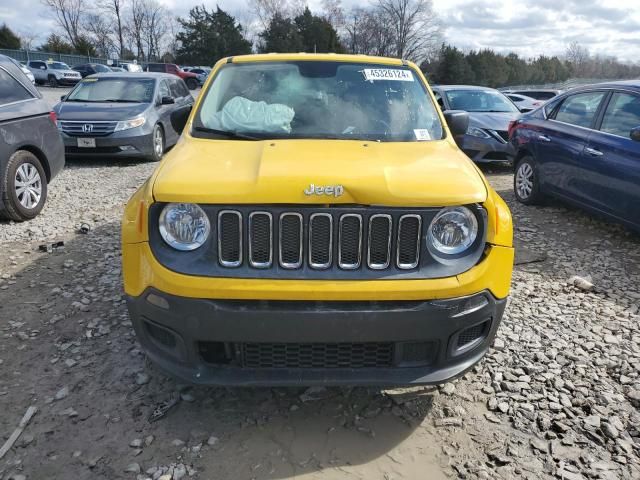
x=56, y=44
x=281, y=36
x=206, y=37
x=8, y=39
x=317, y=34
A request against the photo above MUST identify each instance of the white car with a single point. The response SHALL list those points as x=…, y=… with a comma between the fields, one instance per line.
x=25, y=70
x=53, y=73
x=524, y=103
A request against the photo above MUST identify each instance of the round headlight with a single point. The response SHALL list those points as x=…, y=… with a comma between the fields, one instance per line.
x=184, y=226
x=453, y=230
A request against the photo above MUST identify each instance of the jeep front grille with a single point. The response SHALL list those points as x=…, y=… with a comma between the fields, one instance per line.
x=299, y=242
x=318, y=249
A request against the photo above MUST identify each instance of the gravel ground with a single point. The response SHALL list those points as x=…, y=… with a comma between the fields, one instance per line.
x=557, y=397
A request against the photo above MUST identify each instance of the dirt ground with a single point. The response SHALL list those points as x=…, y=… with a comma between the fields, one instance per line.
x=563, y=357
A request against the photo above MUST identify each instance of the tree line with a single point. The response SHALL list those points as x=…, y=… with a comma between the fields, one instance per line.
x=486, y=67
x=145, y=30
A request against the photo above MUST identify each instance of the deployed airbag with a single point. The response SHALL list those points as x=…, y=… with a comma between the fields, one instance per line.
x=243, y=115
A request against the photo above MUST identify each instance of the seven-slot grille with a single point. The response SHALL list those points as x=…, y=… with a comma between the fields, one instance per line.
x=87, y=129
x=319, y=240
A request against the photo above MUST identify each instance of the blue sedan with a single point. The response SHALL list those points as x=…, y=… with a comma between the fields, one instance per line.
x=583, y=147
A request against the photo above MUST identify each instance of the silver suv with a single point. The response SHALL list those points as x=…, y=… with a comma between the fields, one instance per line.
x=53, y=73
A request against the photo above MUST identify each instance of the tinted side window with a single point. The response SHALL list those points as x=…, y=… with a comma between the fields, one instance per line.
x=438, y=99
x=175, y=89
x=11, y=90
x=164, y=89
x=156, y=67
x=183, y=88
x=580, y=109
x=622, y=114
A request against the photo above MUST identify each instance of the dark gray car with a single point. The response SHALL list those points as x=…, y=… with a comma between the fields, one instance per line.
x=122, y=114
x=490, y=112
x=31, y=151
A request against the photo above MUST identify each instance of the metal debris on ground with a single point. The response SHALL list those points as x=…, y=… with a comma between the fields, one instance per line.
x=163, y=408
x=50, y=247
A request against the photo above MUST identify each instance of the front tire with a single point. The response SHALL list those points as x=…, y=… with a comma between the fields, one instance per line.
x=157, y=143
x=53, y=81
x=192, y=83
x=23, y=187
x=526, y=181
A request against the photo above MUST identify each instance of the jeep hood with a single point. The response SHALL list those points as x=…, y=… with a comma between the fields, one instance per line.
x=278, y=171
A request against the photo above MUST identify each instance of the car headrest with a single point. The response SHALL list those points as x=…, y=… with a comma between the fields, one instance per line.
x=577, y=108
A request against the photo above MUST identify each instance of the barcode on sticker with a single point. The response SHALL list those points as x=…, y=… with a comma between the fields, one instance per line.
x=372, y=74
x=422, y=134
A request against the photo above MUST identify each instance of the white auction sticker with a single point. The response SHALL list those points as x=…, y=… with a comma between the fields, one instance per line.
x=422, y=134
x=372, y=74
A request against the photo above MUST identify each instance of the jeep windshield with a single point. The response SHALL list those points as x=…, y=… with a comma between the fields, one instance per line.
x=313, y=99
x=58, y=66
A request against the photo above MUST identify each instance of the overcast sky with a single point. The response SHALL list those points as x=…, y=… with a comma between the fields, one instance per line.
x=527, y=27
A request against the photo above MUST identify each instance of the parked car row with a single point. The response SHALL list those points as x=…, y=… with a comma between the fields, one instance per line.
x=105, y=114
x=122, y=114
x=582, y=145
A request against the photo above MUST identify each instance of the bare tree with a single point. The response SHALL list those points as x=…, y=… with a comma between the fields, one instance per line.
x=115, y=9
x=578, y=58
x=415, y=27
x=27, y=39
x=135, y=26
x=99, y=33
x=265, y=10
x=155, y=27
x=333, y=12
x=69, y=15
x=367, y=32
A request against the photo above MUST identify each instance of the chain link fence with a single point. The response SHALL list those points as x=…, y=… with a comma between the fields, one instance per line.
x=27, y=55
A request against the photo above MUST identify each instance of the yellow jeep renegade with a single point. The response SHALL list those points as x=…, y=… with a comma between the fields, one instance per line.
x=316, y=224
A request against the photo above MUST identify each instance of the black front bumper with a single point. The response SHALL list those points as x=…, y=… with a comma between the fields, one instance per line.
x=282, y=343
x=128, y=143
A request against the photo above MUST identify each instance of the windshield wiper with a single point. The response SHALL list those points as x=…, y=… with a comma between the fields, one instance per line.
x=226, y=133
x=118, y=100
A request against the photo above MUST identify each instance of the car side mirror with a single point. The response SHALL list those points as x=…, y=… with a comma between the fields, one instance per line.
x=458, y=121
x=167, y=101
x=635, y=134
x=63, y=98
x=179, y=118
x=43, y=67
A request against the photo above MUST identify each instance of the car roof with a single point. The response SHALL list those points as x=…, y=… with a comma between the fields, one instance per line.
x=633, y=84
x=139, y=75
x=317, y=57
x=532, y=90
x=463, y=87
x=10, y=65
